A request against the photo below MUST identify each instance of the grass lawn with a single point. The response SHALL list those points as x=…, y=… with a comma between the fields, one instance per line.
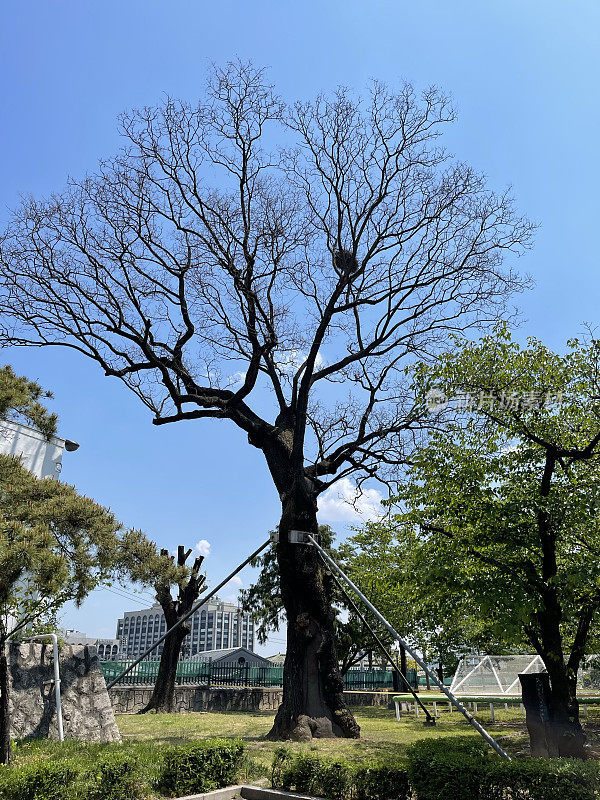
x=381, y=734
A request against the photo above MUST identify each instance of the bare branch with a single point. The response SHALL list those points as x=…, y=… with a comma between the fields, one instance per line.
x=218, y=276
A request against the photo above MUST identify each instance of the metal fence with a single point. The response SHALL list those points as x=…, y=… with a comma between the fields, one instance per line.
x=198, y=673
x=368, y=679
x=208, y=674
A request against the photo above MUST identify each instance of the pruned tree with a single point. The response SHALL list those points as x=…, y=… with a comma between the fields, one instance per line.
x=189, y=585
x=283, y=289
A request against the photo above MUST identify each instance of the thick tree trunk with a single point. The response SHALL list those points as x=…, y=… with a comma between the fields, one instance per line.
x=567, y=736
x=403, y=660
x=174, y=610
x=4, y=713
x=313, y=703
x=164, y=688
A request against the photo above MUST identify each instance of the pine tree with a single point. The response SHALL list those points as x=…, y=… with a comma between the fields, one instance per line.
x=55, y=544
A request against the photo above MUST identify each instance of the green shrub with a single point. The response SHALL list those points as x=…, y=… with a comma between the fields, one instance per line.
x=445, y=769
x=200, y=766
x=37, y=780
x=280, y=758
x=339, y=779
x=448, y=769
x=541, y=779
x=380, y=781
x=114, y=776
x=310, y=774
x=326, y=777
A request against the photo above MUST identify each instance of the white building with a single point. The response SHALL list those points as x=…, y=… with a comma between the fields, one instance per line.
x=107, y=649
x=214, y=626
x=41, y=457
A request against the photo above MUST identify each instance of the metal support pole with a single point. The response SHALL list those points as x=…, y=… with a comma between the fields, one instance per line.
x=194, y=608
x=59, y=718
x=440, y=684
x=382, y=647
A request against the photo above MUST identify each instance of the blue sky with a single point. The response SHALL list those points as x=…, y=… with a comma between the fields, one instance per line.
x=524, y=78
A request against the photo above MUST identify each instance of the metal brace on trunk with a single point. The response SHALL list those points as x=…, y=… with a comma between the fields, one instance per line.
x=295, y=537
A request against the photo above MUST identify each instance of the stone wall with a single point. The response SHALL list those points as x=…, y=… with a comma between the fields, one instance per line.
x=86, y=708
x=381, y=698
x=131, y=699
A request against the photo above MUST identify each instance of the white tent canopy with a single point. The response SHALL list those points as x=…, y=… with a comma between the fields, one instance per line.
x=499, y=675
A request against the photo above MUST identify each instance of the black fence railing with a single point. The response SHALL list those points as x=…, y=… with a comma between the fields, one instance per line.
x=198, y=673
x=208, y=674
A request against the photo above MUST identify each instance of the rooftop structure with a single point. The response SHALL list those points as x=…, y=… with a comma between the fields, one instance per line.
x=42, y=457
x=108, y=649
x=239, y=656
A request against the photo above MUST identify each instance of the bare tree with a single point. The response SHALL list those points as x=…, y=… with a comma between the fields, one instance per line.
x=304, y=283
x=174, y=609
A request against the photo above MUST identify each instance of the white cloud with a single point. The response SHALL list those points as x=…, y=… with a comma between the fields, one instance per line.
x=344, y=502
x=292, y=360
x=234, y=584
x=203, y=547
x=236, y=380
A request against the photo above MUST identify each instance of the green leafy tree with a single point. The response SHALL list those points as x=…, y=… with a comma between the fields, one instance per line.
x=55, y=545
x=385, y=561
x=506, y=500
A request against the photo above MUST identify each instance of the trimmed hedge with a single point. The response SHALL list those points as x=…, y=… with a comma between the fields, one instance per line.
x=117, y=774
x=537, y=779
x=38, y=780
x=460, y=768
x=113, y=777
x=339, y=779
x=446, y=769
x=376, y=780
x=200, y=766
